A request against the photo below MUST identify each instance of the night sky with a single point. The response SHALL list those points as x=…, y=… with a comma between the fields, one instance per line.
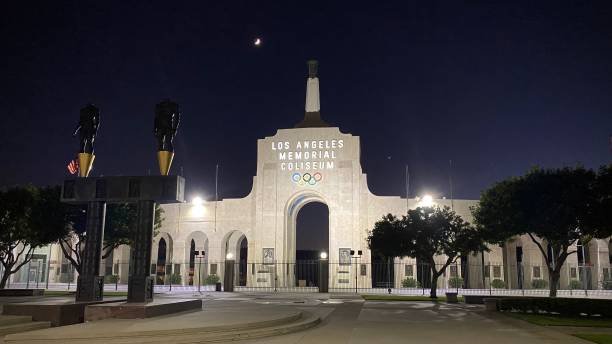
x=496, y=87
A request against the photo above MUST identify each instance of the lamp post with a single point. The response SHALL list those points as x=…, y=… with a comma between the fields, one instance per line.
x=323, y=273
x=200, y=255
x=353, y=256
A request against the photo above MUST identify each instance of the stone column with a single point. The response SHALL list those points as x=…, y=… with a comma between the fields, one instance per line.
x=140, y=282
x=228, y=276
x=90, y=284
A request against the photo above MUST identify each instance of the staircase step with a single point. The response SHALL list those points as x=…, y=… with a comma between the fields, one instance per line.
x=162, y=337
x=14, y=319
x=24, y=327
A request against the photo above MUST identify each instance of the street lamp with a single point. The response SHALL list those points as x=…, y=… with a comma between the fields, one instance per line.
x=200, y=255
x=197, y=207
x=197, y=201
x=353, y=256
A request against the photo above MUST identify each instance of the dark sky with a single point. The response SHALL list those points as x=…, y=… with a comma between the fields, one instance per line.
x=496, y=87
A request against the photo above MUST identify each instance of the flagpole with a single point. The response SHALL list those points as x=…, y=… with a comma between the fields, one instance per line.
x=407, y=190
x=450, y=181
x=216, y=192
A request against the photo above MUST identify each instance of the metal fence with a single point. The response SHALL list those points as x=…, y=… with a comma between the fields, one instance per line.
x=410, y=278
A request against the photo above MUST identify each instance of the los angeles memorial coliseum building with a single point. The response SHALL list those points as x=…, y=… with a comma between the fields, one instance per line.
x=313, y=162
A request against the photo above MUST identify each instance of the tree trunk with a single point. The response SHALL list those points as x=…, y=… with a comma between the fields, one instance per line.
x=553, y=279
x=6, y=273
x=434, y=286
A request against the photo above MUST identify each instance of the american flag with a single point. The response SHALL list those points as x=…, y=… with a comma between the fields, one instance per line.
x=73, y=166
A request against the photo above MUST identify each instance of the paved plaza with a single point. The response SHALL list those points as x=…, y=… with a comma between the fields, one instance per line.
x=305, y=318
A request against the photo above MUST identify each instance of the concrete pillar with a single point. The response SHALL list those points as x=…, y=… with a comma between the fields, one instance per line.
x=90, y=284
x=140, y=284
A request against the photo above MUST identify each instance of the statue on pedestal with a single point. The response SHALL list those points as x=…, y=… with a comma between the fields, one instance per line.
x=89, y=122
x=167, y=119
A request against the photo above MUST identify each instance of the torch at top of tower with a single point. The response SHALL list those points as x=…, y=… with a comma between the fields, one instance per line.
x=313, y=66
x=312, y=117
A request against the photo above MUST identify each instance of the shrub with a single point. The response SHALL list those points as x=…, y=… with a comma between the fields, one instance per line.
x=539, y=284
x=455, y=282
x=562, y=306
x=175, y=278
x=498, y=284
x=211, y=279
x=66, y=278
x=575, y=284
x=410, y=282
x=606, y=285
x=111, y=279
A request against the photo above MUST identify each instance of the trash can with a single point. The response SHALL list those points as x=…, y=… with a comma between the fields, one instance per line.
x=218, y=286
x=451, y=298
x=491, y=304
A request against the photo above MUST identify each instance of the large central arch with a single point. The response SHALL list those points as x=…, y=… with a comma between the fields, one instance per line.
x=292, y=208
x=289, y=268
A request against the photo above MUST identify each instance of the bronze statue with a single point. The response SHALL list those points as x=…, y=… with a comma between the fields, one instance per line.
x=89, y=122
x=167, y=119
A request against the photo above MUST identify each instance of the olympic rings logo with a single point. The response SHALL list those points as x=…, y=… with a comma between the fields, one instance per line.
x=306, y=178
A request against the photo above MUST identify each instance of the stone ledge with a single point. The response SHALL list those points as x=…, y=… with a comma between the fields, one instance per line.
x=127, y=310
x=22, y=292
x=58, y=311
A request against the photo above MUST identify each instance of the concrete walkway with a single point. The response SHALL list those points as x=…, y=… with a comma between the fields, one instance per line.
x=420, y=322
x=344, y=319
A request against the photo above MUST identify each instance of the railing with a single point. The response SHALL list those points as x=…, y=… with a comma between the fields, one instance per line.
x=349, y=276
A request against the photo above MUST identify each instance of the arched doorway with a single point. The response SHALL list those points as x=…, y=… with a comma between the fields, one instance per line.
x=301, y=269
x=242, y=262
x=161, y=262
x=196, y=256
x=236, y=249
x=311, y=239
x=161, y=257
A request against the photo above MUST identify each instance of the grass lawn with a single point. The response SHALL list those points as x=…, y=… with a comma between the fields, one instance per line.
x=67, y=293
x=369, y=297
x=596, y=337
x=555, y=320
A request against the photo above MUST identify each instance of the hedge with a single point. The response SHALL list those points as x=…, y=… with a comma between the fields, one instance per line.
x=211, y=279
x=410, y=283
x=539, y=284
x=175, y=278
x=575, y=284
x=498, y=284
x=562, y=306
x=111, y=279
x=455, y=282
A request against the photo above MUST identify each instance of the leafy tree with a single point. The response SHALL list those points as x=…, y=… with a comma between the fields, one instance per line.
x=603, y=206
x=121, y=220
x=438, y=231
x=387, y=237
x=27, y=220
x=555, y=208
x=424, y=234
